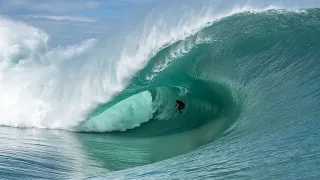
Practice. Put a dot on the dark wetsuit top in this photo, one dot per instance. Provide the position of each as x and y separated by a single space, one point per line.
180 104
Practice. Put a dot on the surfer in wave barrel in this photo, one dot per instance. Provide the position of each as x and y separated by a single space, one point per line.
180 105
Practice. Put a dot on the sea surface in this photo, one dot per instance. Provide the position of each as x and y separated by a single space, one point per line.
250 79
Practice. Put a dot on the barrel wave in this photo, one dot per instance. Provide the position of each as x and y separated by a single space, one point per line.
249 72
250 82
197 71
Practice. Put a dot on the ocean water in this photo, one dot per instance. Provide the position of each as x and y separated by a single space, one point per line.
250 79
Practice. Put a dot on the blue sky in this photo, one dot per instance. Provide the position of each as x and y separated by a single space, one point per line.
88 10
72 10
70 21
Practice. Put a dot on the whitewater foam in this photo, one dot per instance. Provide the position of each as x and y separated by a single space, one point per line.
47 87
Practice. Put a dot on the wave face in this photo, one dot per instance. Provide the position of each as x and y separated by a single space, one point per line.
203 70
249 79
255 75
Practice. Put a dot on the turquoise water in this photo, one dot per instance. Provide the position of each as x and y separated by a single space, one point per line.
252 92
251 85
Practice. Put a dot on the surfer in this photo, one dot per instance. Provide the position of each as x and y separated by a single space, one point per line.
180 105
